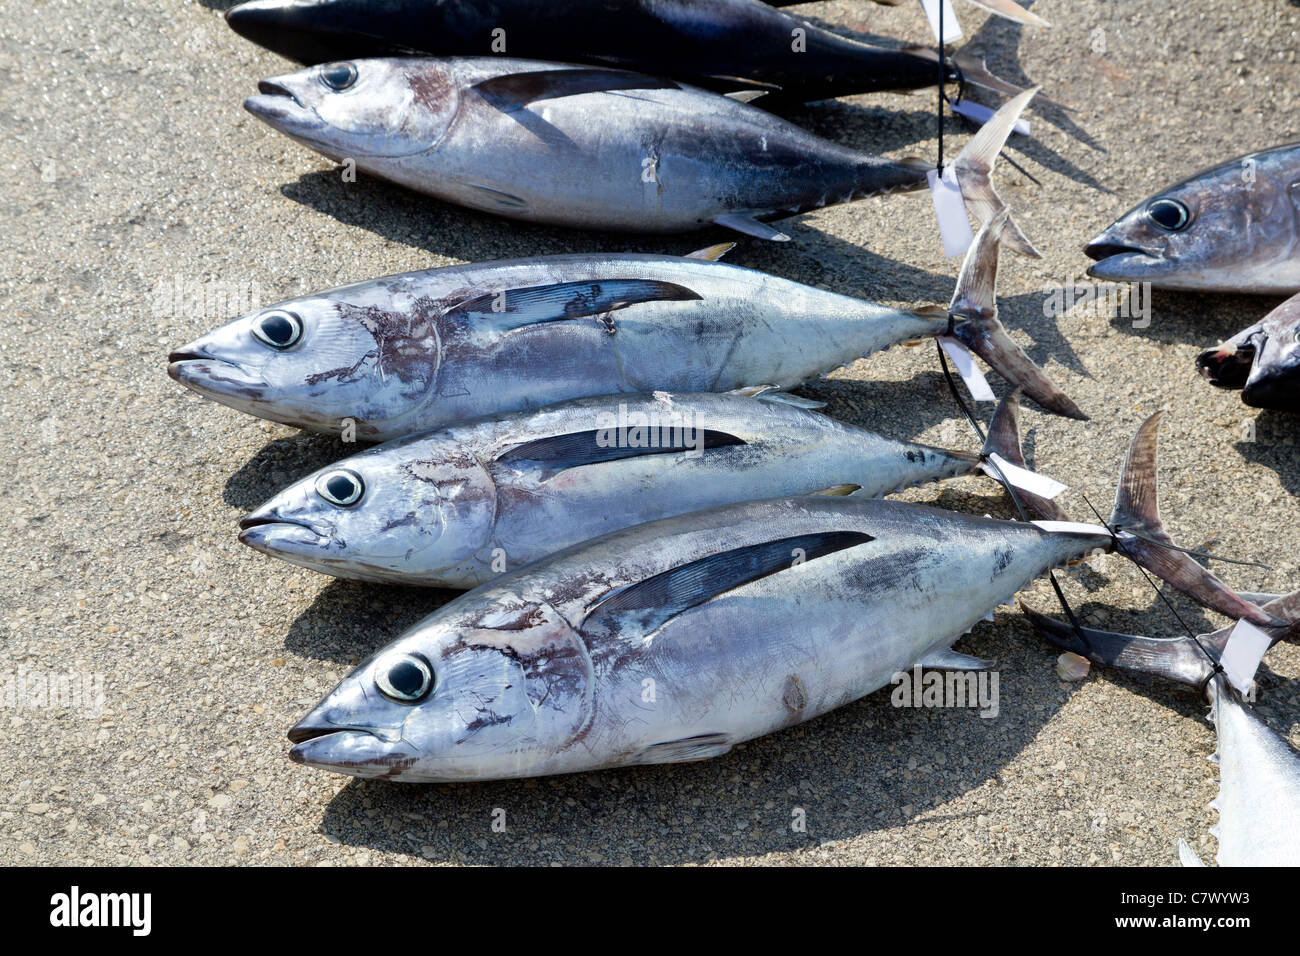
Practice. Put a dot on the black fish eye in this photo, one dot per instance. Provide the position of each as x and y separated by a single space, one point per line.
341 487
404 677
1169 214
338 76
278 329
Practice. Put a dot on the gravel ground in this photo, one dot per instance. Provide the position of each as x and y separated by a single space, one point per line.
133 167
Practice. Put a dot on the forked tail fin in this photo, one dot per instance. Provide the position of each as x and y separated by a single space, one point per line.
975 312
974 167
1143 539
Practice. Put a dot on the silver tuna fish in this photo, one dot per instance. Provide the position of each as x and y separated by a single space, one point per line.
590 147
412 352
1232 228
1259 774
457 507
677 639
1263 361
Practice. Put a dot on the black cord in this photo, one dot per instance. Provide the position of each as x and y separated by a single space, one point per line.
943 79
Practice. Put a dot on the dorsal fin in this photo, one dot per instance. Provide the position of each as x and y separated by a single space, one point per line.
556 453
648 604
512 308
516 91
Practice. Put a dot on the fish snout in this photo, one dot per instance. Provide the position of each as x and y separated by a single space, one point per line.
280 529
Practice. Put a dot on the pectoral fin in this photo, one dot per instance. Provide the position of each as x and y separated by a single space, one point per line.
516 91
751 227
557 453
513 308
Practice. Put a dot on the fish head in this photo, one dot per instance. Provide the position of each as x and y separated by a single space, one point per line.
1211 232
324 363
1263 360
499 690
319 31
382 108
410 507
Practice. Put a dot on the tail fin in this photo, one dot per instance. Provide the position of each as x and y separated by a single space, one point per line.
1137 511
974 305
1004 440
1011 11
1172 658
974 166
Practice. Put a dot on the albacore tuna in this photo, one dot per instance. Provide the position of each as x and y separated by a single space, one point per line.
677 639
407 353
459 506
590 147
1232 228
722 44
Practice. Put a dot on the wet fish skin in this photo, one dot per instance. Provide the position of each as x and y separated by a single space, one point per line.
534 678
1242 232
1263 360
589 147
456 507
723 44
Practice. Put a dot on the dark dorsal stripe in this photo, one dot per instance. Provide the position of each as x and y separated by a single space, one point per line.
651 602
575 449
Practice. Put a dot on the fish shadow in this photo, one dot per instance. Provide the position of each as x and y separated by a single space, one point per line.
280 463
350 620
1196 317
864 767
1274 445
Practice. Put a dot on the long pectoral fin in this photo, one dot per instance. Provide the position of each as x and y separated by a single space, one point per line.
557 453
516 91
651 602
751 227
513 308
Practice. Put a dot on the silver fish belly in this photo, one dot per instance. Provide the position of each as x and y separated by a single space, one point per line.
676 639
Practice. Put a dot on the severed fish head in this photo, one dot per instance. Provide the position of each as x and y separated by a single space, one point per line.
1231 228
1263 360
332 363
410 507
384 108
488 690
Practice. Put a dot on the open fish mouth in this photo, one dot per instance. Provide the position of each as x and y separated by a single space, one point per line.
275 535
358 751
280 108
1117 261
1227 367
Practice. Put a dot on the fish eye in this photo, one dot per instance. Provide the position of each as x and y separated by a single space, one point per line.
278 329
407 678
1169 214
341 487
338 76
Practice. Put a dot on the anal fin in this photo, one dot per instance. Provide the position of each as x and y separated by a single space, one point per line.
702 747
947 659
750 226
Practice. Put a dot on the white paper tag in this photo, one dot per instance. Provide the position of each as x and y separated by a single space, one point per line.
1023 478
982 114
951 28
950 209
1072 527
1240 660
975 381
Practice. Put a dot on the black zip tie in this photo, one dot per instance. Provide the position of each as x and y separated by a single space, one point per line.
943 79
1010 489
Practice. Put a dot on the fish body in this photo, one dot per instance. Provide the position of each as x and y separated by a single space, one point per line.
586 147
721 44
677 639
1263 360
458 506
403 354
1232 228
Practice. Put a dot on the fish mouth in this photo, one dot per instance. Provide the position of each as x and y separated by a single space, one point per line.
277 536
213 377
1114 260
279 107
1227 366
358 751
